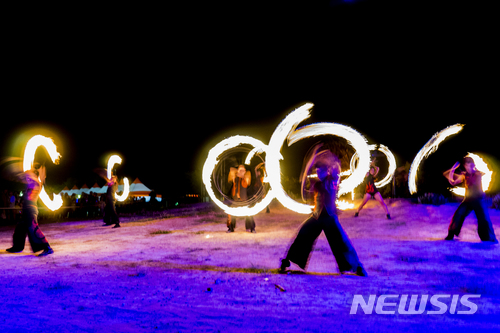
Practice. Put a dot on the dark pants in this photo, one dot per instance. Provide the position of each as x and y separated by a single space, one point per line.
110 215
484 226
29 226
249 222
344 252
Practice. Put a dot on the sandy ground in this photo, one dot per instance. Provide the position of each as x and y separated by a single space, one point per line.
194 277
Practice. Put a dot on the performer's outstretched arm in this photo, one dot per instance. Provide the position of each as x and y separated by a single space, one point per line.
103 173
450 175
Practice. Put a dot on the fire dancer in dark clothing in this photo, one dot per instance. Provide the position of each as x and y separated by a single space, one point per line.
473 201
34 179
110 215
324 218
241 180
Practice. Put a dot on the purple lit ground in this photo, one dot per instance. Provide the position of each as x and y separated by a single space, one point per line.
130 280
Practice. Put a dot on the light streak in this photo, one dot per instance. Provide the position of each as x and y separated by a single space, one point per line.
273 157
391 169
430 147
29 157
211 162
480 166
343 205
354 138
251 154
286 130
115 159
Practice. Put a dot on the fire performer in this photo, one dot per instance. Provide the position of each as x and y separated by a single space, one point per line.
241 180
371 190
34 179
324 218
473 201
110 215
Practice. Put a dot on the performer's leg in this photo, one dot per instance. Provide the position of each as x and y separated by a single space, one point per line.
303 244
250 223
344 252
458 219
19 237
231 223
381 201
107 215
365 200
484 225
114 217
35 235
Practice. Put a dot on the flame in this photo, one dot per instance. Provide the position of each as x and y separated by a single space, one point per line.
126 190
390 158
344 205
213 159
115 159
430 147
273 157
29 157
480 166
286 131
251 154
354 138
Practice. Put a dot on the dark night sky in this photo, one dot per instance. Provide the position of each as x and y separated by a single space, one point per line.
161 86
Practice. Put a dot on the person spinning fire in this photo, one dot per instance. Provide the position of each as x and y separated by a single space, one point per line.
473 201
240 178
324 218
33 179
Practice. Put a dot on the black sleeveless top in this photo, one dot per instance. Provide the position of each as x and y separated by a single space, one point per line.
370 185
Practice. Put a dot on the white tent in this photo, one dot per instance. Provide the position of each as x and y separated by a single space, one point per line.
85 189
138 189
64 191
95 188
74 190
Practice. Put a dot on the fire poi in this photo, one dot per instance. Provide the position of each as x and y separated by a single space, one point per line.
286 130
29 157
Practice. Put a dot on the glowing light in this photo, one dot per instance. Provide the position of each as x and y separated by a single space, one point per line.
343 205
390 158
29 157
211 162
354 138
480 166
251 154
285 131
273 157
115 159
430 147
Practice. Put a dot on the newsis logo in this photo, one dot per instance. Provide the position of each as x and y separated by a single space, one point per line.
388 304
